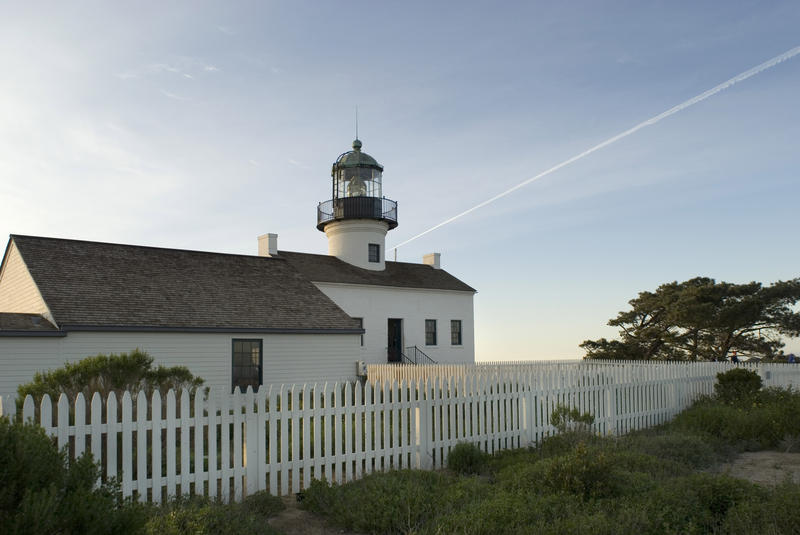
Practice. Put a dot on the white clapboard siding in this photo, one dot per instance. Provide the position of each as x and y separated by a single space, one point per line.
282 437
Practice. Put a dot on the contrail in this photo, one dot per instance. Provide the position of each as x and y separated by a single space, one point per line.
653 120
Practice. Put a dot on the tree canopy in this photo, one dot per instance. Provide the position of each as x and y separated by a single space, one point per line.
132 371
701 319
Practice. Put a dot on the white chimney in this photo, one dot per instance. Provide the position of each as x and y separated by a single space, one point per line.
268 245
433 259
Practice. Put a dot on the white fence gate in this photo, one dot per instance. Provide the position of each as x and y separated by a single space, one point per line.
280 438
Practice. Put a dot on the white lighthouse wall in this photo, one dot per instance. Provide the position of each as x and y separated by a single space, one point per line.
376 304
349 241
287 358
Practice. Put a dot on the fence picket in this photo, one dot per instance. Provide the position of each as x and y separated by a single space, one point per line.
171 449
185 443
141 446
112 428
199 443
155 446
127 442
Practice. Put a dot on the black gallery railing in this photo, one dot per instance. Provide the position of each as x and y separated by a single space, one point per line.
357 208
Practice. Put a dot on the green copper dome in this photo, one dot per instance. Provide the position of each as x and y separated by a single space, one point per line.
356 158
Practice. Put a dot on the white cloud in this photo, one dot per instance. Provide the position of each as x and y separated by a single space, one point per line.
301 165
173 95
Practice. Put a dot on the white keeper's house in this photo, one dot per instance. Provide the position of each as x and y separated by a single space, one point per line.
238 320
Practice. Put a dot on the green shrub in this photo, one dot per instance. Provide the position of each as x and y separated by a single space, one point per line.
392 502
588 473
687 449
766 421
508 512
565 442
202 516
697 503
466 458
776 513
132 371
565 419
40 492
737 385
263 504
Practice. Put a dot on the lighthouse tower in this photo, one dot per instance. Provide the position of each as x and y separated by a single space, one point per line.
358 216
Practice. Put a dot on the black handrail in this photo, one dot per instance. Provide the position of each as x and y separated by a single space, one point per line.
382 209
420 357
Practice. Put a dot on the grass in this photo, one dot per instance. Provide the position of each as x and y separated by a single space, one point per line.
654 481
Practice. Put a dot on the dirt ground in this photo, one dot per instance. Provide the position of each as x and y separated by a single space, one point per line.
296 521
762 467
765 467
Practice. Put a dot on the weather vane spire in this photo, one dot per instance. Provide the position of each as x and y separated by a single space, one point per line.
356 121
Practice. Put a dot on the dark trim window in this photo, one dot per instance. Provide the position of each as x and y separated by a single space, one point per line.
361 324
430 332
247 364
455 332
374 252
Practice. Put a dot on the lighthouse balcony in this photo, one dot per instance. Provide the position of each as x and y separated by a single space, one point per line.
381 209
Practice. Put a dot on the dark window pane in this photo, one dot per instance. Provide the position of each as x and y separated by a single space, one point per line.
455 332
374 252
430 332
246 364
360 324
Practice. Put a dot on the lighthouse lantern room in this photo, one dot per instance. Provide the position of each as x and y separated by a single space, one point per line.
358 216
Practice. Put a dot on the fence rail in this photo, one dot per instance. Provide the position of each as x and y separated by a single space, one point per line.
280 438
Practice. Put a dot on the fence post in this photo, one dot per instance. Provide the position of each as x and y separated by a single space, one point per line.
611 408
424 425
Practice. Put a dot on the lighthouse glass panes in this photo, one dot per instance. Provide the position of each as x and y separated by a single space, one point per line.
357 182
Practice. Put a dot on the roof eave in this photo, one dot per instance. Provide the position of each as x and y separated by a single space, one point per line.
221 330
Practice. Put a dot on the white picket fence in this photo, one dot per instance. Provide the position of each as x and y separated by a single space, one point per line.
280 438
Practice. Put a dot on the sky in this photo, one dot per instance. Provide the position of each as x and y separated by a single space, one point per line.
201 125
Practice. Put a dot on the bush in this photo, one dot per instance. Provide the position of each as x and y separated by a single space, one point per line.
263 504
466 458
777 513
565 419
687 449
697 503
132 371
588 473
766 421
392 502
202 516
41 493
737 385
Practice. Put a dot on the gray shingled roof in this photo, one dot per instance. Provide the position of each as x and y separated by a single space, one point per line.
15 322
323 268
91 284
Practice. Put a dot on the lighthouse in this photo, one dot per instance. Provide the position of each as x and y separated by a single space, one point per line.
358 216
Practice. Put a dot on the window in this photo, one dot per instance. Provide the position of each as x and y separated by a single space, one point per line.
247 364
455 332
374 252
361 324
430 332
